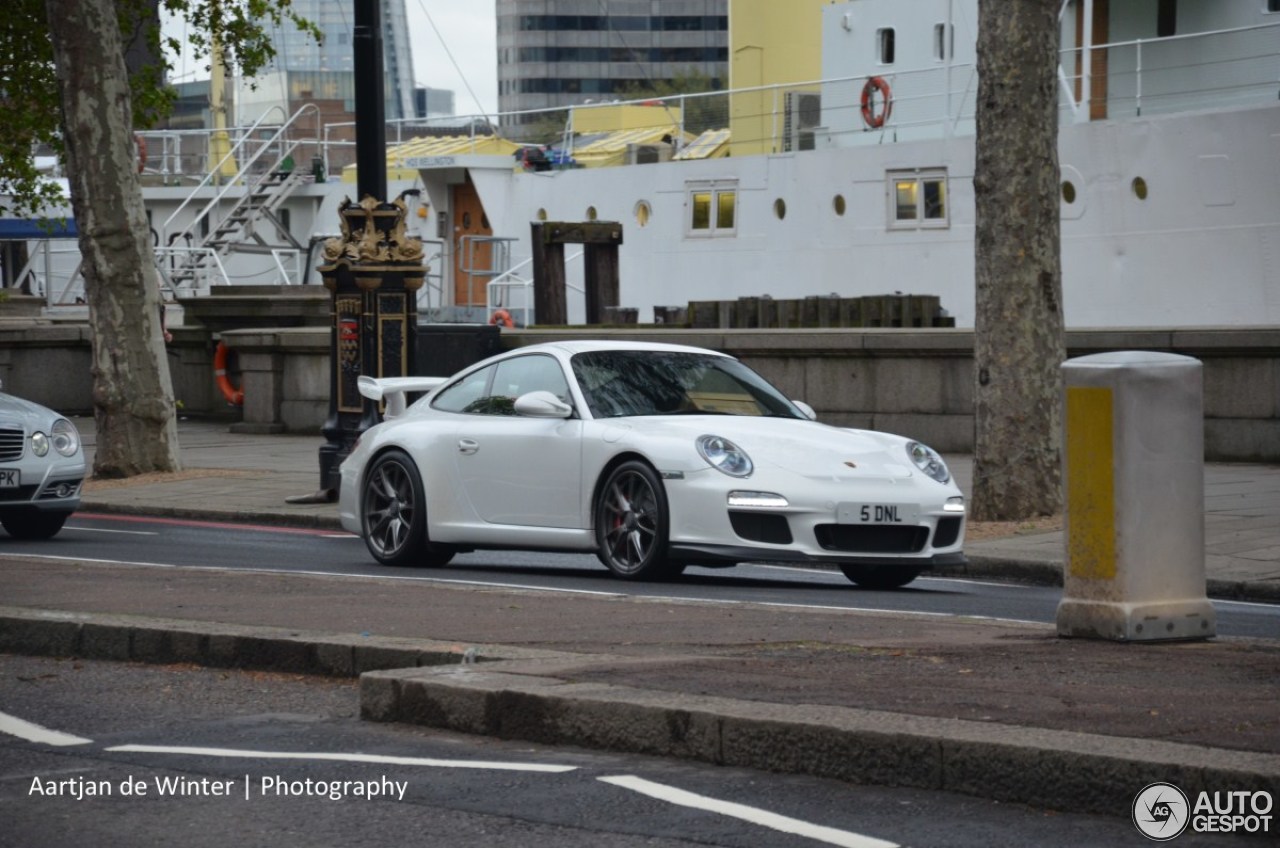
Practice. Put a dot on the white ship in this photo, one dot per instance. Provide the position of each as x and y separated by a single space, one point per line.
1169 151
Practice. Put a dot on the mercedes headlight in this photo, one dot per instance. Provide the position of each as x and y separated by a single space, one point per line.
724 455
66 438
927 460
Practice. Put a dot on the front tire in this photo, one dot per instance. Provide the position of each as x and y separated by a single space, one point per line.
393 514
34 525
880 576
631 522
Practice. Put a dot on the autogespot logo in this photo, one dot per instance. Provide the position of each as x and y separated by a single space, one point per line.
1161 812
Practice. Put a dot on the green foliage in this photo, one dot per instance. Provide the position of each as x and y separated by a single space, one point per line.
700 113
30 114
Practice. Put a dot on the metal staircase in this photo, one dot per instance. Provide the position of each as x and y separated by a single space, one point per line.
267 177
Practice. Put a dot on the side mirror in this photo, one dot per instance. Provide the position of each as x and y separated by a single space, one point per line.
542 404
806 409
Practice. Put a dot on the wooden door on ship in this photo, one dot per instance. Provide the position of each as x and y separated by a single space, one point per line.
472 254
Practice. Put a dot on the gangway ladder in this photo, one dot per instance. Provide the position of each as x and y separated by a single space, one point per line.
266 192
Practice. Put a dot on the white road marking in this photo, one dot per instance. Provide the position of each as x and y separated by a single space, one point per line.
345 758
14 726
755 815
81 529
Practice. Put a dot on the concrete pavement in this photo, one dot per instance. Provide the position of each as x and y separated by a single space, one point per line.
996 709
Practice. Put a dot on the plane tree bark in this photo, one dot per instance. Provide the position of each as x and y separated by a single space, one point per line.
1019 341
133 400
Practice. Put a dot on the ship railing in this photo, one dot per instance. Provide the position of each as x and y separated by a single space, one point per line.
433 281
1202 70
171 259
1176 73
514 293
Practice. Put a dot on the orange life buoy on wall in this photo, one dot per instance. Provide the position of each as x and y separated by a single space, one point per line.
142 152
233 395
502 317
873 118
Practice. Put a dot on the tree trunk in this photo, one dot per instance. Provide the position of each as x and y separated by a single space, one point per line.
1019 343
132 393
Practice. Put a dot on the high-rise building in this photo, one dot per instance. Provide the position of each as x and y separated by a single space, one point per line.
324 74
555 53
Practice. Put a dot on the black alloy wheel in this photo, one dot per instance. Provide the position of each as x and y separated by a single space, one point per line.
631 522
394 514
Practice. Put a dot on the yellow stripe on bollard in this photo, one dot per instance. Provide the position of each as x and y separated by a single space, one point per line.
1091 514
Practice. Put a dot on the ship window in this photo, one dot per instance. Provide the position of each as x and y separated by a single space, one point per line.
884 45
713 208
1273 5
837 203
944 41
643 211
917 199
1166 18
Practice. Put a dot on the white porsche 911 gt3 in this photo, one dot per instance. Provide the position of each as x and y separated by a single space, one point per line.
654 456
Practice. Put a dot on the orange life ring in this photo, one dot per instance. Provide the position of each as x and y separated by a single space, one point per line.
234 396
502 317
875 119
142 152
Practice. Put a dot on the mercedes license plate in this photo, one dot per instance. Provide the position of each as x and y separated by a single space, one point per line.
10 478
874 513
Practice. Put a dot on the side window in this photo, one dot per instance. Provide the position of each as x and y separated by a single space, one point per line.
917 199
525 374
493 390
465 392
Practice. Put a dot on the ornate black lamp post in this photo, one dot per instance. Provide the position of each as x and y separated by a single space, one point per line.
373 270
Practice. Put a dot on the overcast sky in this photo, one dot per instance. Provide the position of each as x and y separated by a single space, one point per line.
470 34
466 28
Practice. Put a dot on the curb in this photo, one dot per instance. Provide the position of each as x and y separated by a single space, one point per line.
529 695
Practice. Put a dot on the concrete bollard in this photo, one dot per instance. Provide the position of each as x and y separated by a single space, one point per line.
1134 475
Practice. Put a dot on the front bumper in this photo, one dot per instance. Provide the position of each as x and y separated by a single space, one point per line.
55 488
815 526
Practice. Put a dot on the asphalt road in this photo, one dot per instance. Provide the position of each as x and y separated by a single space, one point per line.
209 757
173 542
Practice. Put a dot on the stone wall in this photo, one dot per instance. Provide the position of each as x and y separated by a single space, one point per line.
911 381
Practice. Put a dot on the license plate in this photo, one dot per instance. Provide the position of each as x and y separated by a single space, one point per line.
872 513
10 478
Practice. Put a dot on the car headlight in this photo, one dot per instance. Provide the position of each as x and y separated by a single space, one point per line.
927 460
39 443
724 455
66 438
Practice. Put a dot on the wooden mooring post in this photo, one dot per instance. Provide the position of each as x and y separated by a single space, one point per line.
600 263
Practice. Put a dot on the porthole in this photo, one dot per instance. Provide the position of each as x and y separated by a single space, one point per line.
1068 192
1140 188
541 214
838 204
643 211
780 208
591 213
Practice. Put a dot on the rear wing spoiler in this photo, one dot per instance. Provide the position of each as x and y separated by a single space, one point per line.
392 390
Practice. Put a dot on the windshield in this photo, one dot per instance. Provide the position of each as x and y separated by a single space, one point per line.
655 382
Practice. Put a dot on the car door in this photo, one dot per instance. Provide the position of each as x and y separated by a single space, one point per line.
517 470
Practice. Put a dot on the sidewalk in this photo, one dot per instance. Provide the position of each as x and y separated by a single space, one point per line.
1000 710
